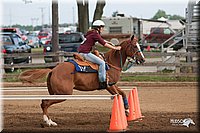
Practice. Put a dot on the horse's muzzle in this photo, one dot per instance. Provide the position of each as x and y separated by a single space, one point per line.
141 61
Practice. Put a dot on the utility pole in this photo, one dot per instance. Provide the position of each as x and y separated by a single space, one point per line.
50 15
32 19
73 16
54 39
27 1
42 18
32 22
10 16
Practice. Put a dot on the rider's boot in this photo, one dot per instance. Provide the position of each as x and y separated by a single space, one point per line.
102 85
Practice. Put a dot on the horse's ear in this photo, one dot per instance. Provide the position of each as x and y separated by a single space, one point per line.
132 37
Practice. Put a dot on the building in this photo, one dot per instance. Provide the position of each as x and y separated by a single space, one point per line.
120 26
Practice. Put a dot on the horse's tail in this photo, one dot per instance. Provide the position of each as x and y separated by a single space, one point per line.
32 75
49 84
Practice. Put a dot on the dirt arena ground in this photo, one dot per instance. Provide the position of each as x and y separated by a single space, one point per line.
160 104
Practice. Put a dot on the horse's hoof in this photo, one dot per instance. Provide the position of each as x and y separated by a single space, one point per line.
127 113
42 125
52 123
48 121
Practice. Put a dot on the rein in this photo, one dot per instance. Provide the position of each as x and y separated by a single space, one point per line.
115 67
121 63
131 62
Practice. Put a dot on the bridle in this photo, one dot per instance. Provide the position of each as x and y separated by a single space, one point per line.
132 56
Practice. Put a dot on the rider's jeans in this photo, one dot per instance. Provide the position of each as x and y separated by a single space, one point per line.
93 58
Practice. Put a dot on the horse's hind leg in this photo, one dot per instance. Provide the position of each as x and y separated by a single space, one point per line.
44 105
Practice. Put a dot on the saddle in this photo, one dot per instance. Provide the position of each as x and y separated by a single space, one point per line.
82 65
82 62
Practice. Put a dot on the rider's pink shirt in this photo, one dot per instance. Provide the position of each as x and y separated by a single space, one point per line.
91 38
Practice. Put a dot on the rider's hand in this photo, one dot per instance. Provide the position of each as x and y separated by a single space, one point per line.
118 47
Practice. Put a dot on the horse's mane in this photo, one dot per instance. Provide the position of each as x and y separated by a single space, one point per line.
115 53
124 43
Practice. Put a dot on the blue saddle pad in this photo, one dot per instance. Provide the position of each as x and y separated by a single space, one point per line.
84 69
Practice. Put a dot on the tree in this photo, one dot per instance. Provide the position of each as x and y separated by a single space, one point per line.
159 14
55 42
83 15
175 17
99 9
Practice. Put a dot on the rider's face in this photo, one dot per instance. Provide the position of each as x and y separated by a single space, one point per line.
101 29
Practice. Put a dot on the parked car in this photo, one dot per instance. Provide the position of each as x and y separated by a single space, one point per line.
44 41
158 35
12 43
12 30
33 41
68 42
44 35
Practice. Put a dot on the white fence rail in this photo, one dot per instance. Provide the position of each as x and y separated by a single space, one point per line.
57 97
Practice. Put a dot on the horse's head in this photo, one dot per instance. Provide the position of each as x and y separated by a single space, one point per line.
133 50
187 122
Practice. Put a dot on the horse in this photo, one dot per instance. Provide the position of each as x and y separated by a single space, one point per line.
62 79
187 122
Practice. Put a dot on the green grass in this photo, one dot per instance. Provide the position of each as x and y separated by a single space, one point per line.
37 50
13 77
159 78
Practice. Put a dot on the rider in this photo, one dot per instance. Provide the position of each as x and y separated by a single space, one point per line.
91 37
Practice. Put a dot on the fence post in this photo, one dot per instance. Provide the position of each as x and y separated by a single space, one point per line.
61 57
177 61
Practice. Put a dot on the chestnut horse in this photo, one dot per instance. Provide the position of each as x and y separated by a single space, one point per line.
62 79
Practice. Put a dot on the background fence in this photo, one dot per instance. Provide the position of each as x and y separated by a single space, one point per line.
180 60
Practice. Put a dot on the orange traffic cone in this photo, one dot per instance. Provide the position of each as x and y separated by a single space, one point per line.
132 115
138 113
148 48
122 113
115 121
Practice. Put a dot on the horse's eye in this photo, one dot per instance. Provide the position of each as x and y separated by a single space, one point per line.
134 46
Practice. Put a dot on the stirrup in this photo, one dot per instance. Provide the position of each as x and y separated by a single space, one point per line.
111 83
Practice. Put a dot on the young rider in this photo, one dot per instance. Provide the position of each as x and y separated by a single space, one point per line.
91 37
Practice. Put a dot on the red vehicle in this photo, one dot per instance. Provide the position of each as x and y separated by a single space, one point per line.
44 37
44 34
158 35
12 30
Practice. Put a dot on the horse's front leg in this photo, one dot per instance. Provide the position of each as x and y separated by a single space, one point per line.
116 90
112 90
126 105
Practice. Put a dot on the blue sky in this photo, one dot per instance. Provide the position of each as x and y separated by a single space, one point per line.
17 12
